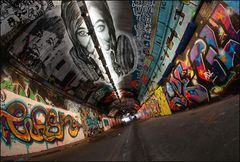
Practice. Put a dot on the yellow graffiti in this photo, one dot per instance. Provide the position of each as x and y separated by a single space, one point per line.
162 101
50 127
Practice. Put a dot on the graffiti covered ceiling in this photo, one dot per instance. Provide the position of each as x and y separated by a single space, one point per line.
54 41
97 52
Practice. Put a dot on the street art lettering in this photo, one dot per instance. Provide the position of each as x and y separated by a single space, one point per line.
213 57
211 63
16 14
180 93
172 21
40 124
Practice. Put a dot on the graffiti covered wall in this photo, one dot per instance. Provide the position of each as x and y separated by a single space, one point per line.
211 61
35 118
162 102
142 28
91 121
29 126
172 20
16 14
15 81
149 109
143 112
155 106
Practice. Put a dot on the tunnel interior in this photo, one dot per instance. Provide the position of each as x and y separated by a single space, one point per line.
72 69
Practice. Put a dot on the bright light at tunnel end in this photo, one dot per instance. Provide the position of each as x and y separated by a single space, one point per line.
126 119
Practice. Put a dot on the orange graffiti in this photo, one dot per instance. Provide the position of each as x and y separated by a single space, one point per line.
42 124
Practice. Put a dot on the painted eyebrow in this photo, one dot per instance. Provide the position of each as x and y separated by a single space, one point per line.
99 21
81 28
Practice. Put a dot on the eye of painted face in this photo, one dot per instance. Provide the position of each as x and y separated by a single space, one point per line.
82 32
100 27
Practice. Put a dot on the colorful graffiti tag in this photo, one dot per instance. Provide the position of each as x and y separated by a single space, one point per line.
211 61
155 106
37 124
29 126
172 21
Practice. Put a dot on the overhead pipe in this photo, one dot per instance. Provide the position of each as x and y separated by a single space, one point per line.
91 32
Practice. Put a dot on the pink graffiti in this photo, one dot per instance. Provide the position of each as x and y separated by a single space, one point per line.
221 15
213 60
184 93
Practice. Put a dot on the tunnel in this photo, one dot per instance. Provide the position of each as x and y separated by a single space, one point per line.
132 80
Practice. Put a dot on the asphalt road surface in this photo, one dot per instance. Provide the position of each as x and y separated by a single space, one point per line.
209 132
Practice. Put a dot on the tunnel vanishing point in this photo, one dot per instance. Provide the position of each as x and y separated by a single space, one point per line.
133 80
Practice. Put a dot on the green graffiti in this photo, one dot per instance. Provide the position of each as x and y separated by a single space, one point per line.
21 91
31 94
7 84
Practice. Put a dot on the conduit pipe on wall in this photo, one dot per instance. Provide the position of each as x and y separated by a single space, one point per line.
88 22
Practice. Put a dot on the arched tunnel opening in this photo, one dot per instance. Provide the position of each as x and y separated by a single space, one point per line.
132 80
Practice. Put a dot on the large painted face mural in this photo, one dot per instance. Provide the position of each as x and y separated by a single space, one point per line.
58 45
